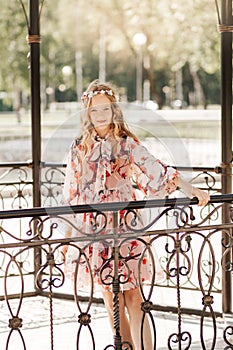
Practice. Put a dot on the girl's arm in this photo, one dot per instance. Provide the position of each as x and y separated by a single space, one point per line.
192 191
157 179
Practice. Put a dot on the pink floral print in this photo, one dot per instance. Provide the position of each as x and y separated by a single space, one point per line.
108 172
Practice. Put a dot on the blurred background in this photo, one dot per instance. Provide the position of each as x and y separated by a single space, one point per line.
165 52
162 56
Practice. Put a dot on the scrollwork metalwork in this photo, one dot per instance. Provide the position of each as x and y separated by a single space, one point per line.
15 322
181 339
53 274
51 185
84 317
15 186
207 299
98 223
227 335
177 249
209 180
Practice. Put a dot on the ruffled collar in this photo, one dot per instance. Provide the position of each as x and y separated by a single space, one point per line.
96 137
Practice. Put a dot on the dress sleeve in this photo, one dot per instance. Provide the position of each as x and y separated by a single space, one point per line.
152 176
72 176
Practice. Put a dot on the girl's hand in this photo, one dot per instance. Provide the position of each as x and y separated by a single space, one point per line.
202 196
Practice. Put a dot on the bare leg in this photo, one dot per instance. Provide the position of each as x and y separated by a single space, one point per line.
124 322
133 300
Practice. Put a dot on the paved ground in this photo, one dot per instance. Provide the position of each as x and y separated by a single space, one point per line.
37 336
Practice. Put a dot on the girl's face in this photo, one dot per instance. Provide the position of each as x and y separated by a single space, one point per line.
100 113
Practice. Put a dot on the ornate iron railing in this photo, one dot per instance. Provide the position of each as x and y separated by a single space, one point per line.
16 193
191 261
175 249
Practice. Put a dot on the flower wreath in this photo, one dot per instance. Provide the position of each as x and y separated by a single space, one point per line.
90 94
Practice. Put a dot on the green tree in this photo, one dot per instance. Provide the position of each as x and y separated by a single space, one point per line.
177 33
182 40
13 50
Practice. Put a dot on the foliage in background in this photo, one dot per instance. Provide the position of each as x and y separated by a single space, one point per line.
181 52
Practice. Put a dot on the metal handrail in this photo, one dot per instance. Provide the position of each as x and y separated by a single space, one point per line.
217 169
110 206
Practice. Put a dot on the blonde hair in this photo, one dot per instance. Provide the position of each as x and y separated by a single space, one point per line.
118 126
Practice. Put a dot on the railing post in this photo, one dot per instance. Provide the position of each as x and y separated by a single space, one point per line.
226 112
116 286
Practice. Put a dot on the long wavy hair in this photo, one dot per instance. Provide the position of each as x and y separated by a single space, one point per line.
118 126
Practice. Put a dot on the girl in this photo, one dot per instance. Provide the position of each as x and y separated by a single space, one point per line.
100 166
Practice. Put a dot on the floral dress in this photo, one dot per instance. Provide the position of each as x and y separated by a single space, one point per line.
108 172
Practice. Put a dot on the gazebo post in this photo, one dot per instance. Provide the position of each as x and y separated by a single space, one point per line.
34 42
226 130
